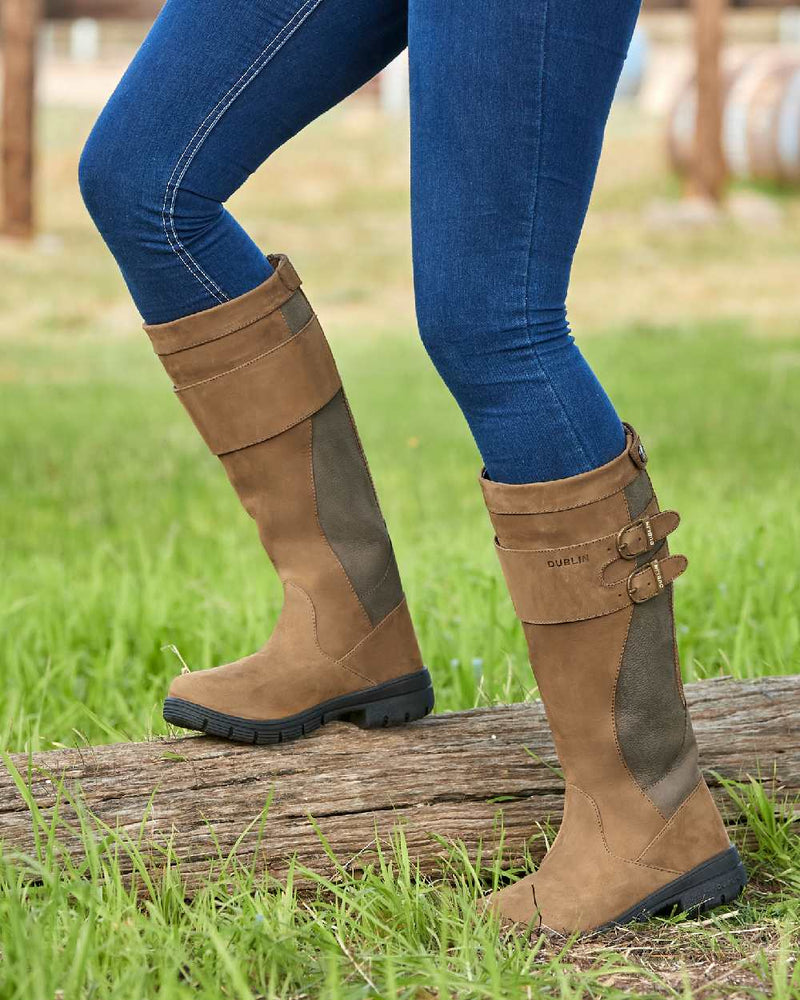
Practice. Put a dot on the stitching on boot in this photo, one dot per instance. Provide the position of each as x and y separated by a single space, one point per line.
678 674
281 430
609 852
252 361
363 453
374 631
334 662
611 550
383 575
556 510
679 758
224 332
580 618
673 818
536 908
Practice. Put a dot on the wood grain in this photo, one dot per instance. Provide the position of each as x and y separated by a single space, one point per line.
449 776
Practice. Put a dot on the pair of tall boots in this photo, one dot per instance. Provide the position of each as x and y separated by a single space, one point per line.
588 569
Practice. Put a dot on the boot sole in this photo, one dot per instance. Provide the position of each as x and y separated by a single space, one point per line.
710 884
393 703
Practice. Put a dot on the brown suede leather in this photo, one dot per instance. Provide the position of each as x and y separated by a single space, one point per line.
258 379
589 572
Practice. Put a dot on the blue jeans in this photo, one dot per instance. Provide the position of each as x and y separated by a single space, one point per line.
509 101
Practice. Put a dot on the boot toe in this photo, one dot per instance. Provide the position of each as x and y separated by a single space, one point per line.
185 686
215 689
516 904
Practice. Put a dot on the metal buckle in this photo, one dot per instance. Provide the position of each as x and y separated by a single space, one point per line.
640 522
656 569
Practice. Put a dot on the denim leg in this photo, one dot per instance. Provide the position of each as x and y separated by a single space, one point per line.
508 107
217 86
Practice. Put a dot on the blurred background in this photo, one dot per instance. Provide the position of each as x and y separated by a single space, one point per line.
122 548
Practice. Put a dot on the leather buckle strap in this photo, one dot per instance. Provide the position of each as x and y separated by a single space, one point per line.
645 533
649 580
551 586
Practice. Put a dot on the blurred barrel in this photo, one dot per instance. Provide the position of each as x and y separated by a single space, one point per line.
761 119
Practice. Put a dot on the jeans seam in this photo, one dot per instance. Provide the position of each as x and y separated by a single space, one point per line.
535 200
202 132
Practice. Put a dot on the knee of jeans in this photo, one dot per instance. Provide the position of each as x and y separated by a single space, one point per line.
187 216
136 206
468 334
118 188
439 332
101 178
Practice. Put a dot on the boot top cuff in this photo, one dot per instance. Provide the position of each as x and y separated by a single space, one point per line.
229 317
567 494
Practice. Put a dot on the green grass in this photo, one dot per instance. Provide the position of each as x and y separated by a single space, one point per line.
121 539
77 929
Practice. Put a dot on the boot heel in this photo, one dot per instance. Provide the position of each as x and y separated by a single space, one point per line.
724 886
394 710
713 883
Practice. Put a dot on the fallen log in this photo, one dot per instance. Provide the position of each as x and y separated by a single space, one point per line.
448 777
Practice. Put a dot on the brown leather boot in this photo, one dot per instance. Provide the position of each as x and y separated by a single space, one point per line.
587 565
258 379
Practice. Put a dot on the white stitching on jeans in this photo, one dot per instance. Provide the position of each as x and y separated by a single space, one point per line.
244 80
201 134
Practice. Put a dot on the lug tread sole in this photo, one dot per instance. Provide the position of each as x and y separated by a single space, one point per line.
392 703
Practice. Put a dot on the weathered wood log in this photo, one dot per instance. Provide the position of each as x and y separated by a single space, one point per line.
450 776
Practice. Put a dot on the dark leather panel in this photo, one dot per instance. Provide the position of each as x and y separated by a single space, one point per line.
348 511
639 493
653 726
650 714
670 791
297 312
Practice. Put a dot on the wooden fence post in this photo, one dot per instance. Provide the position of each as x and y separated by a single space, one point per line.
20 20
708 174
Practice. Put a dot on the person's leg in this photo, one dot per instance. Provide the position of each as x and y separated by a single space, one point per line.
509 105
509 102
217 86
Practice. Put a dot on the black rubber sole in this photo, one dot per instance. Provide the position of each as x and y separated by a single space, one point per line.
393 703
713 883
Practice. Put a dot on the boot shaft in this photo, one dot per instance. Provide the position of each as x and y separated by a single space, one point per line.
590 575
258 379
589 572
